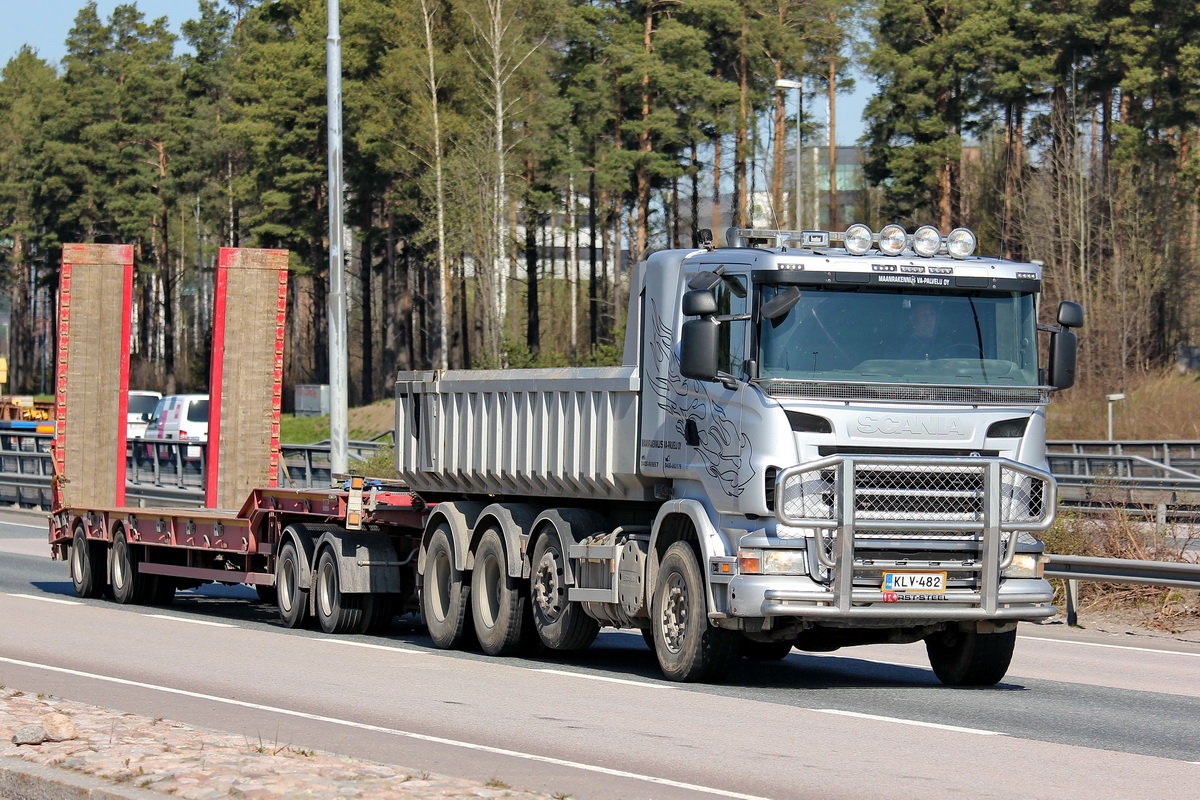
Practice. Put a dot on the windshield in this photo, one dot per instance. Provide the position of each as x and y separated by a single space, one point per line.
840 334
142 403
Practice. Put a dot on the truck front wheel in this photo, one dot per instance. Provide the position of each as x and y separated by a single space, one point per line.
443 594
88 574
969 658
688 648
336 611
561 624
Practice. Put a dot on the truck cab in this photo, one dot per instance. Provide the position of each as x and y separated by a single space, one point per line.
862 417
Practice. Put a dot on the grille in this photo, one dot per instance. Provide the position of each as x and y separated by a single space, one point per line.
917 393
904 490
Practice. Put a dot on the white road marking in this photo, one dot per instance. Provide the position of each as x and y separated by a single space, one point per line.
42 527
604 678
1112 646
370 646
46 599
191 621
900 721
390 731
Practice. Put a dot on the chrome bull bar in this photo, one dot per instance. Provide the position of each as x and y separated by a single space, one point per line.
868 496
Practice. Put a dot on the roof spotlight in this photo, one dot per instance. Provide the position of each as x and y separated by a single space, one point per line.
892 240
927 241
960 243
857 239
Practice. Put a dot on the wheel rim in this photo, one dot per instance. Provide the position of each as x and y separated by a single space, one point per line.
547 586
675 613
77 559
119 569
489 606
286 583
325 588
439 586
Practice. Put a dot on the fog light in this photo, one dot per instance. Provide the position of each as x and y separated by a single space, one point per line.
960 243
927 241
1026 565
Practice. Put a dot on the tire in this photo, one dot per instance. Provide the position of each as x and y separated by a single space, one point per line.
289 597
444 595
378 610
89 573
497 607
970 658
687 646
560 624
336 612
129 586
765 651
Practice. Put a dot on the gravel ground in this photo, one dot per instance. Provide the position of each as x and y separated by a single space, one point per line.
119 755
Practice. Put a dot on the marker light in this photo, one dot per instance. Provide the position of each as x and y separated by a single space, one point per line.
892 240
927 241
857 239
960 243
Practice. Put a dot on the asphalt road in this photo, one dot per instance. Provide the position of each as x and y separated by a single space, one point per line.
1080 712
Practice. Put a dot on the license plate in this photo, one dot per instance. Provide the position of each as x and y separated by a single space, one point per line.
923 582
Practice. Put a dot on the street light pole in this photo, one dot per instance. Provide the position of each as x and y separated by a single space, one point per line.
338 366
787 83
1112 398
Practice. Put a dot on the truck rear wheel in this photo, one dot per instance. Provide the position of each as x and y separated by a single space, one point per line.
128 585
969 658
444 601
560 624
88 568
291 599
337 612
497 607
687 646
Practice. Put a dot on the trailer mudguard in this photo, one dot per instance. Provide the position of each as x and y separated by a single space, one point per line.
460 517
367 561
305 539
708 538
515 521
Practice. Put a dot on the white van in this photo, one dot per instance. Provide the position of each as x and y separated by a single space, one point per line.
179 418
141 406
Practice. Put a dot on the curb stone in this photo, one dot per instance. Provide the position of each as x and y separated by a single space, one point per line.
22 780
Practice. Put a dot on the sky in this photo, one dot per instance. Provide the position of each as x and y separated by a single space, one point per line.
44 24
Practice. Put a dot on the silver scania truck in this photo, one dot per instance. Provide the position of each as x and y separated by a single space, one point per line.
817 439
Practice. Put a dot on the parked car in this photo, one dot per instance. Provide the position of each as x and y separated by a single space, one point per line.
178 418
141 406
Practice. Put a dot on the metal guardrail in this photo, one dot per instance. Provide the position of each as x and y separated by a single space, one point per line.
1073 569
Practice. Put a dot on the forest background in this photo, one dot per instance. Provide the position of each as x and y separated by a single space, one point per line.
507 161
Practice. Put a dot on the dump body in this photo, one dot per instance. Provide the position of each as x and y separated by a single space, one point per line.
538 433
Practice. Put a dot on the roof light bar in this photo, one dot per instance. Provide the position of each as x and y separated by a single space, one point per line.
858 240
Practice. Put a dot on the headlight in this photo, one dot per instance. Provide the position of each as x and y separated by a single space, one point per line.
1026 565
857 239
960 243
772 562
927 241
892 240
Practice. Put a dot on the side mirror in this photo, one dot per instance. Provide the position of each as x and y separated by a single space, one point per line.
698 348
1063 347
1070 315
699 303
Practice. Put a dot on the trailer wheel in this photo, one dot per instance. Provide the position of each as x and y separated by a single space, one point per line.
128 585
161 590
378 610
88 568
687 646
444 603
970 658
291 599
560 624
497 606
337 612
